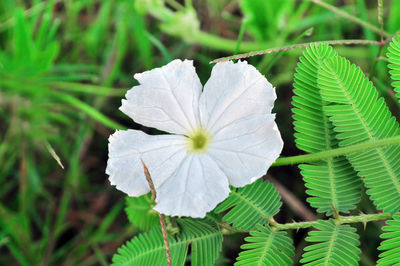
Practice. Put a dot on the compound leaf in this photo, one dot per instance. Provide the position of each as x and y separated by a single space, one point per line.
266 247
391 245
331 182
394 63
251 205
334 245
148 248
360 116
140 212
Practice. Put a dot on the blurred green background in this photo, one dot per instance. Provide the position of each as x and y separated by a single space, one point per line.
66 64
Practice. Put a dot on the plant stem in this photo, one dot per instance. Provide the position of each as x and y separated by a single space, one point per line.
296 46
292 201
382 42
380 20
162 223
363 218
350 17
89 110
88 88
219 43
240 36
337 152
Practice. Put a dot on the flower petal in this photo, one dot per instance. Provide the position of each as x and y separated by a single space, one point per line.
234 91
127 148
166 99
195 188
246 148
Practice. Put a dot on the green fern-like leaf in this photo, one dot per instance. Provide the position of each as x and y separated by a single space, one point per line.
205 239
148 248
359 115
394 60
334 245
266 247
332 182
251 205
140 212
390 246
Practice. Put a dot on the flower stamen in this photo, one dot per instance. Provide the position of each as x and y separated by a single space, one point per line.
198 141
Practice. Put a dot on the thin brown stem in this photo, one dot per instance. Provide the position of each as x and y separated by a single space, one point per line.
350 17
380 20
294 203
382 41
165 237
335 212
162 223
297 46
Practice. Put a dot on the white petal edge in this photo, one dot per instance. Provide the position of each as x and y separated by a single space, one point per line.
234 91
128 148
246 148
196 187
166 98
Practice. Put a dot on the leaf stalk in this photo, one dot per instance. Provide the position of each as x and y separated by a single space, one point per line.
318 156
362 218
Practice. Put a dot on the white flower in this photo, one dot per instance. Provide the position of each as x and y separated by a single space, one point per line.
224 135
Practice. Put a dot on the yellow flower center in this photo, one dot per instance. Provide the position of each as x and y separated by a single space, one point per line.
198 141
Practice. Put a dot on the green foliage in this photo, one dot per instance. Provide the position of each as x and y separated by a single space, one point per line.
265 18
266 247
148 248
205 239
184 24
394 60
141 37
334 245
140 212
251 205
61 62
98 30
391 244
359 115
43 44
31 54
27 74
393 22
332 182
